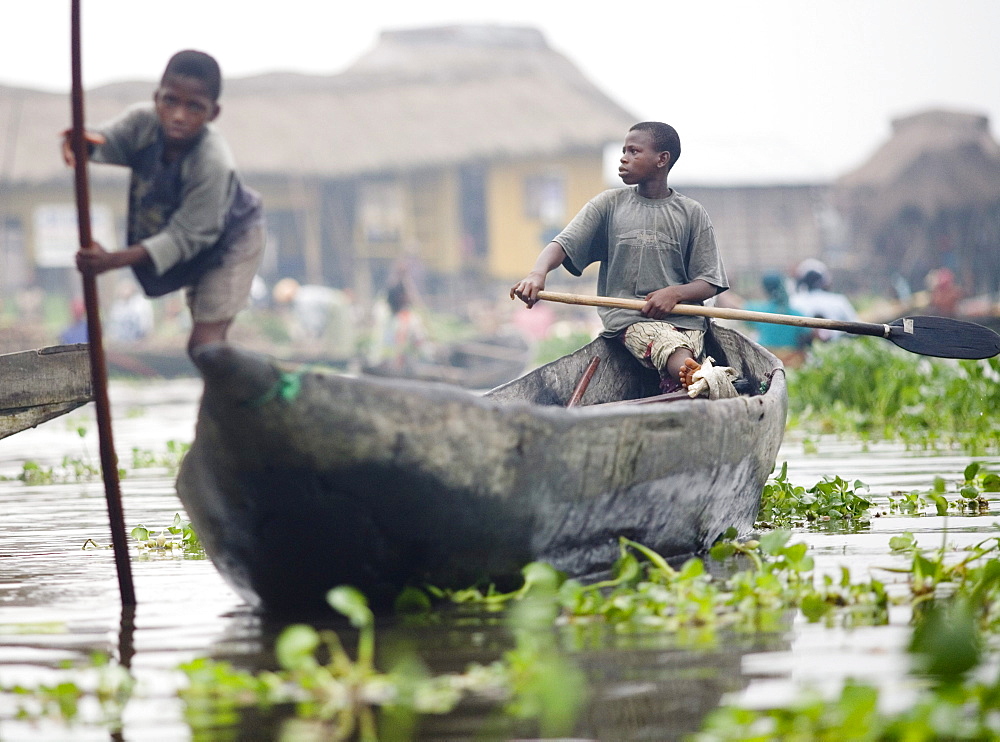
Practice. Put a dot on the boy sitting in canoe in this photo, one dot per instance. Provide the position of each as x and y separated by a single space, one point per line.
191 221
652 243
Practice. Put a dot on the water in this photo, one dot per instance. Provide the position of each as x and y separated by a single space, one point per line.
59 601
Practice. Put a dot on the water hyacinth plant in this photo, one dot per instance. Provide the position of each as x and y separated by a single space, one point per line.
170 460
73 694
770 579
955 699
860 387
178 537
830 499
84 468
340 695
972 495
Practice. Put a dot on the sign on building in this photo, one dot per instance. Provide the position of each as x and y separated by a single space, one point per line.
57 235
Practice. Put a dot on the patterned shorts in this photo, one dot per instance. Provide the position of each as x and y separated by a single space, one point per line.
654 342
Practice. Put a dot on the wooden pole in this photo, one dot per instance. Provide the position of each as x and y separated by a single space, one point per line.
98 366
584 382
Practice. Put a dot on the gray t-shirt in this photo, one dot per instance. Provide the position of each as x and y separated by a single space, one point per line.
180 210
643 245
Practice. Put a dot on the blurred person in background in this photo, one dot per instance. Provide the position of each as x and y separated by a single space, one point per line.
788 342
813 297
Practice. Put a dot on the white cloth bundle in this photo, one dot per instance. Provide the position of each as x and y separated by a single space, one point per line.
715 382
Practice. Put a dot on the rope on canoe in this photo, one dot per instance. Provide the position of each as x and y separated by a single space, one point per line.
286 388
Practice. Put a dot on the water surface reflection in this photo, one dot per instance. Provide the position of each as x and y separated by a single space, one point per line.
59 602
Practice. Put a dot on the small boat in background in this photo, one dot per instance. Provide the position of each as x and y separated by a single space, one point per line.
300 479
38 385
476 363
171 361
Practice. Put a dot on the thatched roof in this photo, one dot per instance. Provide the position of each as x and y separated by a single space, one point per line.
420 98
935 161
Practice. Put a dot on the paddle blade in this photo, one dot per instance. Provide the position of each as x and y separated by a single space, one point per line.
944 337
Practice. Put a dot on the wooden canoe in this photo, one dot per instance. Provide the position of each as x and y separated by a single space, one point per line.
38 385
300 479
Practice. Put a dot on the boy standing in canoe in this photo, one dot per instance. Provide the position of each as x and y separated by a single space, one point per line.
191 221
652 243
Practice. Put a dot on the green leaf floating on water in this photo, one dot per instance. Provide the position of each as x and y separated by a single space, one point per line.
296 646
352 603
946 643
971 471
773 542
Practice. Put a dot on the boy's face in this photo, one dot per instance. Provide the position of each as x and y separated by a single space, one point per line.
184 106
640 161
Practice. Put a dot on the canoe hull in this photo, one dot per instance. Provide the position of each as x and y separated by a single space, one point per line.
301 480
39 385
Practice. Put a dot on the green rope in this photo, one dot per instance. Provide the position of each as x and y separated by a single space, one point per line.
286 388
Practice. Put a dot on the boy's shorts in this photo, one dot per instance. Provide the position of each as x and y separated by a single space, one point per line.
224 292
654 342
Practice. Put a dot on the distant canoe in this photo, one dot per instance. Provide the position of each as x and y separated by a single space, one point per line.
39 385
150 363
478 363
299 479
173 362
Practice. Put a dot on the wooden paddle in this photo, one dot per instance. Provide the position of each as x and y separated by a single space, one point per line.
942 337
98 366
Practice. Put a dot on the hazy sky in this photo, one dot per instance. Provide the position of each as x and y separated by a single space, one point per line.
760 90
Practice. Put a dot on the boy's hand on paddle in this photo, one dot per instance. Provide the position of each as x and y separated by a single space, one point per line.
661 302
527 289
69 156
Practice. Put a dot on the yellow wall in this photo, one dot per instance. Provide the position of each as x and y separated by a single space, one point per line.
515 239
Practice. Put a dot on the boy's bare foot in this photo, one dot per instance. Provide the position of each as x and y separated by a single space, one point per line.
687 370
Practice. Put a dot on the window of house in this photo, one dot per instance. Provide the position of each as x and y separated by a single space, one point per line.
545 198
382 211
57 235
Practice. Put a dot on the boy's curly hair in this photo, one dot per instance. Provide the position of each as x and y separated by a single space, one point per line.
665 138
199 65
